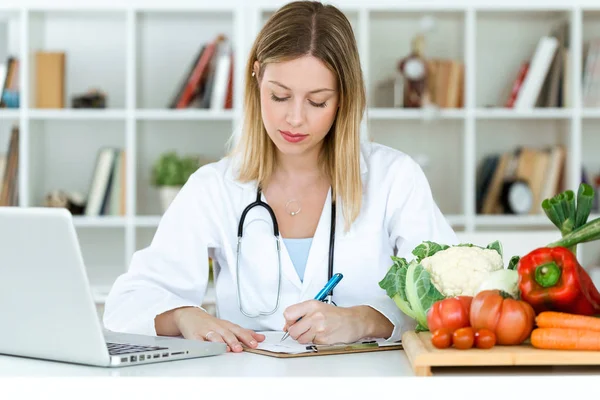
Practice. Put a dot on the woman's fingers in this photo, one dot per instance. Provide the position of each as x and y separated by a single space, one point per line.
299 329
232 340
307 337
245 336
213 336
259 337
211 329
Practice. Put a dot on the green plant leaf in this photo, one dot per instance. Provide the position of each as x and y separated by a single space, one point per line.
514 262
427 249
172 170
394 283
420 291
391 282
496 246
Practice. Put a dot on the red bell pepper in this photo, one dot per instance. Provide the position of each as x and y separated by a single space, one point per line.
551 279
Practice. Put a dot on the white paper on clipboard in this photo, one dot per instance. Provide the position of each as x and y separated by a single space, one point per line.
273 344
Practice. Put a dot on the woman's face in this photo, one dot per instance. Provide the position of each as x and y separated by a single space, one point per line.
299 101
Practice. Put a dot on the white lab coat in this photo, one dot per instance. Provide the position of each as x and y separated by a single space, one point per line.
398 212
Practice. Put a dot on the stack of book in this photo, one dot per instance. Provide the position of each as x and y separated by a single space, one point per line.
543 80
106 195
543 169
209 80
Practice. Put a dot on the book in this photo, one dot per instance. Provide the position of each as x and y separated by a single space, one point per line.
484 179
116 197
184 81
538 69
557 70
517 84
101 181
537 179
221 77
9 180
199 74
554 172
10 89
49 79
591 75
491 198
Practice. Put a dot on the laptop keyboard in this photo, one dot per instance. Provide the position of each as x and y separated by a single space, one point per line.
115 349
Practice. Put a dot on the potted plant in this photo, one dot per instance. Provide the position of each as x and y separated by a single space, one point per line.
170 173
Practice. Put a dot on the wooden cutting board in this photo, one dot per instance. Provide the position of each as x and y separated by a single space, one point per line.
423 355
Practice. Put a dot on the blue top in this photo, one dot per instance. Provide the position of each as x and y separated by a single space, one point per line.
298 250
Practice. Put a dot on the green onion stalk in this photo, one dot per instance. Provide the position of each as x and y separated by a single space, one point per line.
570 214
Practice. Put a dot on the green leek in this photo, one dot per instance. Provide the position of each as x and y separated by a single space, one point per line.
586 233
585 199
570 216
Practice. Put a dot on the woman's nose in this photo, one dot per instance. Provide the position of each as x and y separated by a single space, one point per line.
295 113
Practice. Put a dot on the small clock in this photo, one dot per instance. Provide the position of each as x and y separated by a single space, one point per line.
516 196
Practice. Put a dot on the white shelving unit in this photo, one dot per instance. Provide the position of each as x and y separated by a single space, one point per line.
138 51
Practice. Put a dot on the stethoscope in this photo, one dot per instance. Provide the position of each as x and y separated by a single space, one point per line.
260 203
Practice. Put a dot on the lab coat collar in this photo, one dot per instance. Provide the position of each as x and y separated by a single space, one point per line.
233 167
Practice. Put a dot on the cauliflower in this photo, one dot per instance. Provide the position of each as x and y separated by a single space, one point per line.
439 271
460 270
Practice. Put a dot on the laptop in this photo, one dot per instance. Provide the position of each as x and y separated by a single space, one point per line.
46 303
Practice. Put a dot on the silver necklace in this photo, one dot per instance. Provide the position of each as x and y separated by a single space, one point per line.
293 207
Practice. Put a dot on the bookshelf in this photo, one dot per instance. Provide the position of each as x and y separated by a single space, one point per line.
137 52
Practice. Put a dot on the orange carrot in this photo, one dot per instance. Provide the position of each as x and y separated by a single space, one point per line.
565 339
553 319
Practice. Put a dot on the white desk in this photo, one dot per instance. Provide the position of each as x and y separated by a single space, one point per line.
387 363
379 364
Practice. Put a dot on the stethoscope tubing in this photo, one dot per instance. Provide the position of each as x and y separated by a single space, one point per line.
260 203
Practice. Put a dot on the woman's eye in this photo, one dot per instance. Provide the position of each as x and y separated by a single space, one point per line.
280 99
320 105
275 98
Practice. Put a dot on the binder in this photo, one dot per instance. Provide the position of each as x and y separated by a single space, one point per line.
271 348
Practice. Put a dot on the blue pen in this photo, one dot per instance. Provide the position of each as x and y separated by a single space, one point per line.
322 295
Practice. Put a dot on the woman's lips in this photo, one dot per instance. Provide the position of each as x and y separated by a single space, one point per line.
292 137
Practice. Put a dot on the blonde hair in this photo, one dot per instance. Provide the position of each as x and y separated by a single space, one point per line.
298 29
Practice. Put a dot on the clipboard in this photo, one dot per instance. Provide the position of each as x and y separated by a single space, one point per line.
296 350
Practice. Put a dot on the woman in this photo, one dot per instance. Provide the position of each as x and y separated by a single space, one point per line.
300 149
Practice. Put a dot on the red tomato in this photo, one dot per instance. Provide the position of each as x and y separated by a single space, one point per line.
485 339
463 338
451 313
511 320
442 338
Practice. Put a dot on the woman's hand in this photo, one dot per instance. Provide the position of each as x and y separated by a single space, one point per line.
324 323
194 323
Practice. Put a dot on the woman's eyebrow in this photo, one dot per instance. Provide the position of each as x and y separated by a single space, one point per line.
312 91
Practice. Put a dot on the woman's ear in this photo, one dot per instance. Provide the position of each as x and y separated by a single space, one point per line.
256 69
